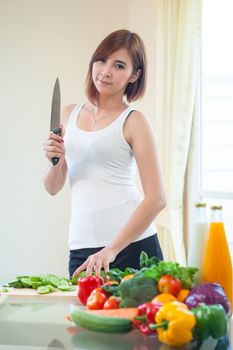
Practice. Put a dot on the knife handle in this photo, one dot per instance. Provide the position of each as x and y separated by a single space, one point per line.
56 131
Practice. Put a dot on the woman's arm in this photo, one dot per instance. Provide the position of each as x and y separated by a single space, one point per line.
139 135
55 176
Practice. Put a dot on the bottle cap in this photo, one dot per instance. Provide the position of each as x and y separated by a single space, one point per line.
216 207
200 204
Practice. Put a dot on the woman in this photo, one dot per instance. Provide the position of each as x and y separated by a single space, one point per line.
111 223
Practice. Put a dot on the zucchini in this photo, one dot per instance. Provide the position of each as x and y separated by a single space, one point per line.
97 323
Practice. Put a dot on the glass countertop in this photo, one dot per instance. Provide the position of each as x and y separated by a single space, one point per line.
32 324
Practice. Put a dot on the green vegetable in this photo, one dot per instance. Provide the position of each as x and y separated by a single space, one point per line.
4 290
137 290
36 279
99 323
50 281
185 274
144 261
211 321
116 274
35 285
112 289
66 288
43 290
51 288
53 280
15 283
26 282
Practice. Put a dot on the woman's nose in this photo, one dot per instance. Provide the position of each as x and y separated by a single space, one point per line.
106 72
105 75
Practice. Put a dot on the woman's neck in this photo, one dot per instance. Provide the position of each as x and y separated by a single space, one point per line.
109 104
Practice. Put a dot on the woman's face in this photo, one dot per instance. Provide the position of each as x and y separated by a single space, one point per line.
112 74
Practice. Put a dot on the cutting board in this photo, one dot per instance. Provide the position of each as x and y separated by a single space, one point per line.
32 293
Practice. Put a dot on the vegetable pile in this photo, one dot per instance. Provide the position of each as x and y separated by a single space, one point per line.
43 284
160 299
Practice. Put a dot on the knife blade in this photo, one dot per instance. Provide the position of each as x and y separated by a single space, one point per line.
55 114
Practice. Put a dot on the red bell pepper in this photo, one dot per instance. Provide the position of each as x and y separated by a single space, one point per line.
146 315
86 286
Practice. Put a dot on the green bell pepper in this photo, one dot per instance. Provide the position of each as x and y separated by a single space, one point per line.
211 321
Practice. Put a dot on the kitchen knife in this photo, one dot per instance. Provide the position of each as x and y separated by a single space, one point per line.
55 114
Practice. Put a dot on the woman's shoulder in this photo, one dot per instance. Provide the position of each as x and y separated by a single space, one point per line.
66 112
137 119
135 126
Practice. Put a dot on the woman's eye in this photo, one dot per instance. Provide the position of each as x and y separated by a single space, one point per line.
119 66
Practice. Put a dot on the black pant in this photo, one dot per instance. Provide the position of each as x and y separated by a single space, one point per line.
128 257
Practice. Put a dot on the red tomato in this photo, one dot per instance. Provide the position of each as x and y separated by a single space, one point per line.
96 299
99 289
169 284
112 303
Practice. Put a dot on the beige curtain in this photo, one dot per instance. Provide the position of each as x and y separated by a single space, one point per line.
177 62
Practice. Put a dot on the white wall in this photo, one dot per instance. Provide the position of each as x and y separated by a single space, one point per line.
40 40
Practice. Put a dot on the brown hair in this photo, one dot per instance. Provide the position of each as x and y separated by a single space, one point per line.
117 40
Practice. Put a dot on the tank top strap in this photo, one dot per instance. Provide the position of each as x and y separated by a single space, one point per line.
125 115
74 113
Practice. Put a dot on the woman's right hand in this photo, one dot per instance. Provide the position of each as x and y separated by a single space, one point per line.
54 147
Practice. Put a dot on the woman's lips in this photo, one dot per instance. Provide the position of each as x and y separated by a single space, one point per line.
103 82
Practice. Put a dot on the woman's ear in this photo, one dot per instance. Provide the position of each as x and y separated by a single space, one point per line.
135 76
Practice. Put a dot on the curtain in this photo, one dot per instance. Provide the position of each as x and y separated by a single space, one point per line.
177 61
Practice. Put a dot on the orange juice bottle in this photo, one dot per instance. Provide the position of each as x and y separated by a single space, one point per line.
217 264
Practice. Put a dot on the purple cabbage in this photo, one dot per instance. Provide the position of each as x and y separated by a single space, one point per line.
209 294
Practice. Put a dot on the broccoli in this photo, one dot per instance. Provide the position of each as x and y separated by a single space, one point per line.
137 290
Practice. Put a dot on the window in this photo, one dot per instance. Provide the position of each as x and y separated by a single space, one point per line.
217 109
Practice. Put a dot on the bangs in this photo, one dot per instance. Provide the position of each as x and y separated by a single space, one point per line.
106 50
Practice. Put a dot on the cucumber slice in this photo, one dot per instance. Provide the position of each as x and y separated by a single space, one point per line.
36 278
66 288
43 290
14 284
26 282
51 288
35 285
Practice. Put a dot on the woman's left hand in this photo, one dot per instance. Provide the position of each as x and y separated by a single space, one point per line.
96 262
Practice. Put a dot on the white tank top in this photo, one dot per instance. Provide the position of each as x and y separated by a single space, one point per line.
101 170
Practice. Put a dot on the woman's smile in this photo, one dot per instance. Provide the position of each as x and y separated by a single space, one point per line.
103 82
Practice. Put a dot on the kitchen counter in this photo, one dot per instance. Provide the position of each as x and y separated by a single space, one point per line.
40 324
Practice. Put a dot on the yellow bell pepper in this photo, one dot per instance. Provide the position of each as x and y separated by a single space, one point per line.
174 324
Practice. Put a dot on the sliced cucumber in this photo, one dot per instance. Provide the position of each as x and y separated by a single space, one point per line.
66 288
35 285
43 290
26 281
